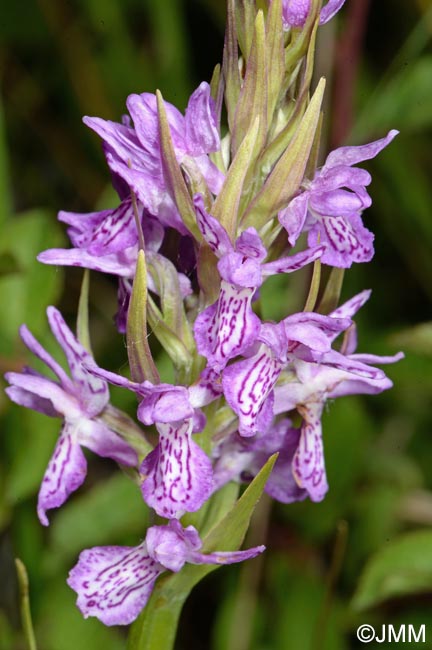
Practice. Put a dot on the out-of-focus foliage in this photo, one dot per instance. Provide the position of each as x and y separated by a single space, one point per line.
365 553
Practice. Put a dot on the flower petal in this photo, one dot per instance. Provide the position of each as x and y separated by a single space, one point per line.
122 140
294 262
214 234
352 306
247 384
65 473
295 13
308 462
313 330
31 401
224 557
294 216
143 110
92 391
339 203
227 328
165 403
114 583
333 178
178 473
121 264
113 233
35 347
63 403
329 10
352 365
353 155
201 133
348 240
95 435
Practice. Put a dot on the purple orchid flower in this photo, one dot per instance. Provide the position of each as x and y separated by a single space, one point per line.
295 12
229 326
336 374
106 241
248 384
79 400
177 474
133 153
240 459
114 583
331 214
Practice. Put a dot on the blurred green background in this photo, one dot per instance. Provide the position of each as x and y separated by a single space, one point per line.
364 555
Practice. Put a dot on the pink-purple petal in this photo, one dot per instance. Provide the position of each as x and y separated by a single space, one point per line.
338 203
247 384
224 557
114 583
177 473
295 12
65 473
227 328
294 216
95 435
31 401
214 234
294 262
341 176
347 240
122 263
351 155
165 403
92 391
35 347
352 306
308 462
329 10
115 231
63 403
121 139
201 133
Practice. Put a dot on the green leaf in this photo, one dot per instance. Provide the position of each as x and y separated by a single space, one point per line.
166 279
288 172
226 206
173 174
332 291
252 102
172 344
229 533
83 332
156 626
230 64
140 358
245 14
401 568
301 39
275 56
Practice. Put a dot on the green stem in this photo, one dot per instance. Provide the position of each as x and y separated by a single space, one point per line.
25 604
156 627
246 600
